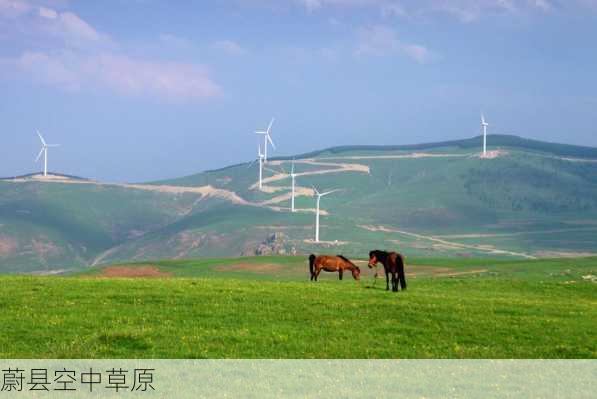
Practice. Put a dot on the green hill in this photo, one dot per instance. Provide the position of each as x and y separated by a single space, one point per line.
527 199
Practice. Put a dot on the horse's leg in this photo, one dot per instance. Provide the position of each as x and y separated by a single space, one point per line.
317 273
395 282
375 276
387 281
340 273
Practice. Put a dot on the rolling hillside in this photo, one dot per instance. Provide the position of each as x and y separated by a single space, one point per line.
527 199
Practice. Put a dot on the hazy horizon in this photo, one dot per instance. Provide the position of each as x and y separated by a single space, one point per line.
143 90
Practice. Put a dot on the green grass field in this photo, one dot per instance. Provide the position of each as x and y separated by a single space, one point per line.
266 308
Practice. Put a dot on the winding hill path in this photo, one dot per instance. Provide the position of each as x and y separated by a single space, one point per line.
329 167
455 245
228 195
413 155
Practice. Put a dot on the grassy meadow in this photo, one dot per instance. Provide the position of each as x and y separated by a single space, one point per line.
266 308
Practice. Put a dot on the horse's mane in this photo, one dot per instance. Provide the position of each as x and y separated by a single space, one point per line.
345 259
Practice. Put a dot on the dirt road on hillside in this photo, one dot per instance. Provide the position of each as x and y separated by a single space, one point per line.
449 244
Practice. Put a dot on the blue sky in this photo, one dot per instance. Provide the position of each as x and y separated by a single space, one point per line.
143 90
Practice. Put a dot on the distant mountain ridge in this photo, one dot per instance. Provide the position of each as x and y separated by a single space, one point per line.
34 174
532 199
499 140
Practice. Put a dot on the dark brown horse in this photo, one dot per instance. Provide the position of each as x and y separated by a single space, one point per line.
393 263
332 264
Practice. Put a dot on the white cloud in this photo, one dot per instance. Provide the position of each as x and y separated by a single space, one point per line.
543 5
72 26
172 80
13 8
47 13
126 75
229 47
419 53
380 41
82 58
463 10
47 69
46 24
313 5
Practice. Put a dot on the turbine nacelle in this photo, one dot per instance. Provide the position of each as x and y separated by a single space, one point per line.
267 138
44 150
319 195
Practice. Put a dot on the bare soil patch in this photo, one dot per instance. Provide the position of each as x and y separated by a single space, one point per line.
145 271
493 154
8 245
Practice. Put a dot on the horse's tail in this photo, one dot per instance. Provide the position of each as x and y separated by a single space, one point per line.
312 264
400 263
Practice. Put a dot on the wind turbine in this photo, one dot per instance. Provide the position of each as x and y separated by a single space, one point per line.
292 176
44 150
319 195
260 160
266 137
484 127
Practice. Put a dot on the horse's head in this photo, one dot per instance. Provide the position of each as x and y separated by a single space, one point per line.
356 273
372 259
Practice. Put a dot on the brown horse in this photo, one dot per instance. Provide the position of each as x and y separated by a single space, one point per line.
332 264
393 263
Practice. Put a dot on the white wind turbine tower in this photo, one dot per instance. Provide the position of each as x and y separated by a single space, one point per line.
44 150
292 176
319 195
484 127
267 137
260 160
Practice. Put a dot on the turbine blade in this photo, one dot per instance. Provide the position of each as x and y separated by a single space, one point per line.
270 141
41 138
39 155
317 192
260 132
329 192
269 128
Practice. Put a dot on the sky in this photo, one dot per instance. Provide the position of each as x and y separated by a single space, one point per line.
141 90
